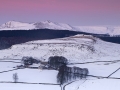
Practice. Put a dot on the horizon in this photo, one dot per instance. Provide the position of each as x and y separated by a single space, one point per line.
73 12
60 22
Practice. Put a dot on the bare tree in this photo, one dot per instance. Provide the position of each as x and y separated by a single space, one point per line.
15 77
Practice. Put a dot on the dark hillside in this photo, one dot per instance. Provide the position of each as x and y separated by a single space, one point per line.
11 37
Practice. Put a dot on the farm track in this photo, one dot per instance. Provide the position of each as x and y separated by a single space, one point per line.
9 59
29 83
9 70
115 61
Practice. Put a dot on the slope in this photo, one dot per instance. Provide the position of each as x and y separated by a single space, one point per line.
77 49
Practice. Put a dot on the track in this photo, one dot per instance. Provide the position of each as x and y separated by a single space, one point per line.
115 61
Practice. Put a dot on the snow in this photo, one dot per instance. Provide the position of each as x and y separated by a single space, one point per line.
77 50
28 87
7 66
99 69
92 29
111 30
14 25
98 84
29 75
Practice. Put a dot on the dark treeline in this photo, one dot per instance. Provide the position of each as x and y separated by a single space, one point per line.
43 33
11 37
67 74
39 33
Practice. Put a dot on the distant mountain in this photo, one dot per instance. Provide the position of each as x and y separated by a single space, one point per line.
110 30
13 25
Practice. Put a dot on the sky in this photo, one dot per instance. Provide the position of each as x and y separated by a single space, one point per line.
73 12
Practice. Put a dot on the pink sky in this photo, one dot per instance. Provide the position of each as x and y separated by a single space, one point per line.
75 12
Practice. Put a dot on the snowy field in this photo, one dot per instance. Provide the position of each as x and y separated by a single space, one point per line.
28 87
49 76
77 49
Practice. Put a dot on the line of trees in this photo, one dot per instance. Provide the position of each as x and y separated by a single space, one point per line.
67 74
60 63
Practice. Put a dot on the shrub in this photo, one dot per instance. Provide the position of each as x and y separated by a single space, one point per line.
29 60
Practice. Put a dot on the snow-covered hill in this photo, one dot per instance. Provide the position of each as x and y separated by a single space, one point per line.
13 25
77 49
52 25
111 30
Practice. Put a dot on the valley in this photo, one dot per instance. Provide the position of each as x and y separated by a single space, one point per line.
98 52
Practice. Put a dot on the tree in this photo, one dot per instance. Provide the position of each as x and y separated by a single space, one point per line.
15 77
61 75
57 61
67 74
64 74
